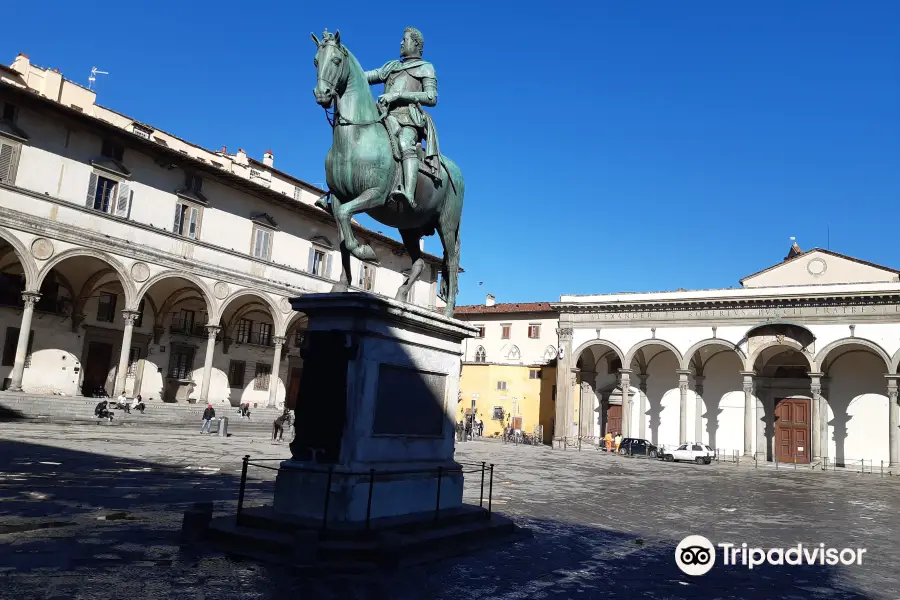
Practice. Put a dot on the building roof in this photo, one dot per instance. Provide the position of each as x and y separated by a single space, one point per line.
796 253
508 308
161 153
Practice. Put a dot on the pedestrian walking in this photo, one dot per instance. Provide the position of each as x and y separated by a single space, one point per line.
208 415
618 441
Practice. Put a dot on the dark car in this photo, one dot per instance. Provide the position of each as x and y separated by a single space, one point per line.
638 447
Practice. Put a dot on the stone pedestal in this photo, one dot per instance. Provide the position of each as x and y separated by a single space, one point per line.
378 395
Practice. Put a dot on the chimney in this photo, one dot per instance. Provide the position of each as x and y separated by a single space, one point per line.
490 300
269 159
241 157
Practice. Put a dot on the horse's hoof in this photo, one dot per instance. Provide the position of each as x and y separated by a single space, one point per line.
364 252
339 288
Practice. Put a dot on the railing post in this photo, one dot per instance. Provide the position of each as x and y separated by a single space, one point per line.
240 506
369 504
795 461
437 507
327 498
481 495
755 461
882 468
490 491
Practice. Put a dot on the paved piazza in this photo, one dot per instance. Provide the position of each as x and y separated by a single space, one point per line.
91 512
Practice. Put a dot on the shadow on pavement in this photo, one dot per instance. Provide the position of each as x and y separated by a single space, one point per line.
9 415
107 527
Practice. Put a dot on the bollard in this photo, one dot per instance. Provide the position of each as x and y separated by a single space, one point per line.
795 461
223 427
196 522
882 468
437 506
755 461
240 506
481 496
490 491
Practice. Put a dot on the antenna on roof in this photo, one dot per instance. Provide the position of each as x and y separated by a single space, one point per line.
93 77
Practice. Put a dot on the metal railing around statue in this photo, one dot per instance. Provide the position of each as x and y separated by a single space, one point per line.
486 471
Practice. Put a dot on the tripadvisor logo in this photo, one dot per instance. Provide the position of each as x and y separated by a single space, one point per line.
696 555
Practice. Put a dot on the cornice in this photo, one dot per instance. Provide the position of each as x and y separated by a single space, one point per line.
785 302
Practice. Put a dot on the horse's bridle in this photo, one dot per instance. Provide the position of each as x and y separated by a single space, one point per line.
335 117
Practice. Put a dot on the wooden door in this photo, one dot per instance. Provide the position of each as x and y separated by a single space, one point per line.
792 427
293 388
96 368
613 419
517 423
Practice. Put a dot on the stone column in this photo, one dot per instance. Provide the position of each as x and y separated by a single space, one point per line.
211 332
815 416
130 316
276 365
642 385
893 421
823 416
626 402
698 407
749 403
682 414
30 298
563 423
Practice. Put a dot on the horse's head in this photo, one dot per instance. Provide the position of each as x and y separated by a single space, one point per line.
333 66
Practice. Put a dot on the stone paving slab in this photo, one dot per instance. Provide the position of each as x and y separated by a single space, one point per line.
605 526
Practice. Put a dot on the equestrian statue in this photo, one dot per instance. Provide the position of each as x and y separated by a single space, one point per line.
377 164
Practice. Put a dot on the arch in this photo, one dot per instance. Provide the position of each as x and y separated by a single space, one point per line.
240 313
779 323
480 354
291 319
787 343
599 342
685 364
514 353
550 353
651 342
124 279
273 310
210 304
29 266
823 354
895 362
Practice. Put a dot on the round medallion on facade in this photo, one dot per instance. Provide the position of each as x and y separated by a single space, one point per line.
42 248
285 305
221 290
816 267
140 272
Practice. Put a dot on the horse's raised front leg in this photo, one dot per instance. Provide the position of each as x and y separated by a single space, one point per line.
369 199
411 239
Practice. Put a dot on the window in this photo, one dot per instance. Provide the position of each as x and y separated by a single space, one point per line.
183 321
682 447
367 277
140 130
262 243
549 353
298 338
187 220
9 112
193 182
497 414
134 354
10 344
9 161
615 365
261 381
263 335
501 385
296 192
245 326
181 364
480 329
236 370
106 307
534 331
319 262
140 318
534 374
697 448
504 331
112 150
480 355
514 353
109 196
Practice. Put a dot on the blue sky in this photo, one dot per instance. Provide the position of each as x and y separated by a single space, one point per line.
611 146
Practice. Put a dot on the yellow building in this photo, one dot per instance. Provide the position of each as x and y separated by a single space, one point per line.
521 396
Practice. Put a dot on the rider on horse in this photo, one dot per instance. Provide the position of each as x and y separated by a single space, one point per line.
410 83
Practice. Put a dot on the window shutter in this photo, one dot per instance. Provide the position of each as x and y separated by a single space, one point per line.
192 230
267 253
7 159
92 191
176 228
123 206
312 260
328 266
362 275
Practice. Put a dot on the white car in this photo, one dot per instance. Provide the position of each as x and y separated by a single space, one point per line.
693 452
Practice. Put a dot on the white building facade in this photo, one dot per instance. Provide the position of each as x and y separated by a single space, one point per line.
510 334
799 364
131 260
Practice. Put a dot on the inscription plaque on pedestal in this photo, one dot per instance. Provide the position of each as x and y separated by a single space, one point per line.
409 402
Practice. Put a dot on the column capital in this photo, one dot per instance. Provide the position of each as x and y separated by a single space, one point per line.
684 373
565 334
212 330
892 377
625 372
749 374
130 316
817 375
30 298
279 340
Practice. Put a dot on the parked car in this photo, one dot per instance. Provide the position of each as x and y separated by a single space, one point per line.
638 447
693 452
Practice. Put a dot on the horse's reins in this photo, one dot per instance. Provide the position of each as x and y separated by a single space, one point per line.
335 117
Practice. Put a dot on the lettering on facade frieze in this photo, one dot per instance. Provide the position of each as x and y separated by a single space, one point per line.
743 313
